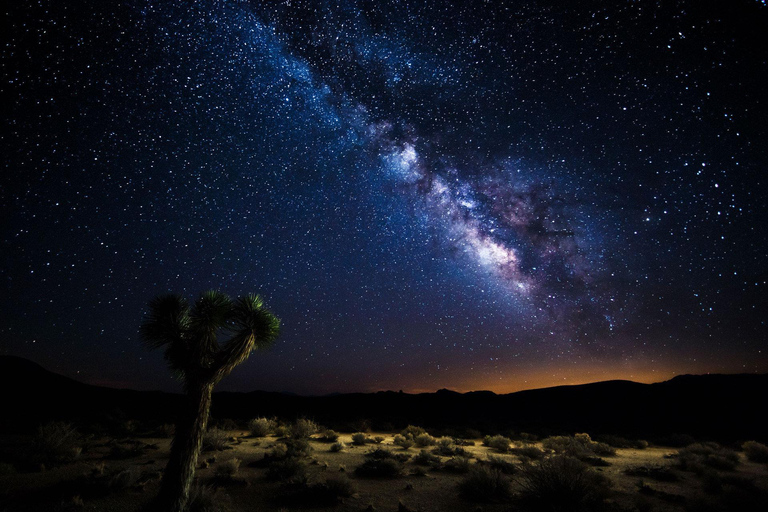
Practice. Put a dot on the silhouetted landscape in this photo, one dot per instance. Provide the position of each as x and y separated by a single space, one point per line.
693 443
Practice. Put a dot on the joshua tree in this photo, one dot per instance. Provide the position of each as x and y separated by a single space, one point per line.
193 353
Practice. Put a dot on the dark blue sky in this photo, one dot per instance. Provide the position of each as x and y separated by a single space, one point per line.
495 195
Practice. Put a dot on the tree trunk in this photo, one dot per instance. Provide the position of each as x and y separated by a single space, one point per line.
185 449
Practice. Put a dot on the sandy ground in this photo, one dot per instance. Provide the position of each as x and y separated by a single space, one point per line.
56 488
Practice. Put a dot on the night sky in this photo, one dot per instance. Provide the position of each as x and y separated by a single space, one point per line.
471 195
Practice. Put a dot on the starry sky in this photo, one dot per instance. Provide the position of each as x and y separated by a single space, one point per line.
472 195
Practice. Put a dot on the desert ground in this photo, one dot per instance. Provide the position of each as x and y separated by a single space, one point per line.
286 470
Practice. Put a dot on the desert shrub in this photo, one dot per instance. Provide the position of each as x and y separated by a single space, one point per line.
359 439
57 442
378 439
458 465
290 468
423 440
528 453
580 446
620 442
329 436
204 498
215 440
282 430
381 454
561 483
698 455
403 441
297 447
379 468
424 458
484 484
261 427
658 473
322 494
336 447
445 446
504 465
303 429
463 442
756 452
277 452
499 443
228 469
412 431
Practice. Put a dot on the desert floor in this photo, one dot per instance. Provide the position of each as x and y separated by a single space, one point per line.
129 478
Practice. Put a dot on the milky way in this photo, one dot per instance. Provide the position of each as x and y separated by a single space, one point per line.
429 194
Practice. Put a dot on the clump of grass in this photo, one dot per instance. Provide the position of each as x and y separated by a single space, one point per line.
756 452
485 484
215 439
562 483
499 443
336 447
403 441
261 427
57 442
424 458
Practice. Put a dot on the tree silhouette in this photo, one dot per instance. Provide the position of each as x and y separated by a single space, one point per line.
194 355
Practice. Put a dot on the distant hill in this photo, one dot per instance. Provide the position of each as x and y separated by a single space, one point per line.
722 407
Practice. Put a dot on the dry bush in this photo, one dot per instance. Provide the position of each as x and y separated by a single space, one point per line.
204 498
322 494
303 429
329 436
698 456
215 440
499 443
403 441
228 469
505 466
424 458
57 442
485 484
458 464
562 483
528 453
336 447
380 468
424 440
261 427
756 452
412 431
359 439
290 469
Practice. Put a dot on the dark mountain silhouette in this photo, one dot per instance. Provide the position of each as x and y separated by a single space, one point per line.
721 407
